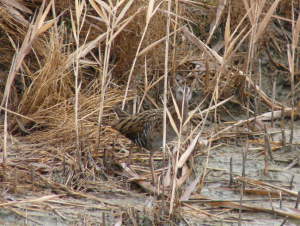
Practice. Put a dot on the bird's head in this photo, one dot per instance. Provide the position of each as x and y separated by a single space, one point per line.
183 92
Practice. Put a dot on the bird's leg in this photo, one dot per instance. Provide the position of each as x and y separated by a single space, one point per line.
152 168
128 159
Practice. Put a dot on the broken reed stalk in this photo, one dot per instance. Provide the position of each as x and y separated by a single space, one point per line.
280 202
291 183
231 173
270 199
134 107
268 144
256 97
4 174
88 144
241 204
259 99
84 161
269 149
64 165
273 99
292 105
267 152
297 201
206 73
105 158
32 176
103 219
236 139
81 138
284 221
244 157
15 180
282 125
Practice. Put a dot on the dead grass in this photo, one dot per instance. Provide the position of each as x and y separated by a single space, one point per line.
60 79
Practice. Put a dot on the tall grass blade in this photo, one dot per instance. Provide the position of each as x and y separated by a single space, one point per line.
123 12
296 33
227 31
149 11
266 20
99 11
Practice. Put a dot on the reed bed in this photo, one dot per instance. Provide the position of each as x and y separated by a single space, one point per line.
66 64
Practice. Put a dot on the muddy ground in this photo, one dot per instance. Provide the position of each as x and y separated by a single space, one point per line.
124 198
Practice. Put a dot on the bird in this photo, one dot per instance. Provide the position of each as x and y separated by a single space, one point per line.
145 129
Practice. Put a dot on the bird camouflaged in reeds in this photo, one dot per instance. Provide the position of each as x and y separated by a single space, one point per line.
146 128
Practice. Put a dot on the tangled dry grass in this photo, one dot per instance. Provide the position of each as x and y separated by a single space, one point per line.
65 66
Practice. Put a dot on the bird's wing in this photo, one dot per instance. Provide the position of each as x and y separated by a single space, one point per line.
139 128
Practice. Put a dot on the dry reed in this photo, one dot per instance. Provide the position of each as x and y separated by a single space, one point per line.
71 64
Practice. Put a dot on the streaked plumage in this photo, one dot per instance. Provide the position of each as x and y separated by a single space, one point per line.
146 129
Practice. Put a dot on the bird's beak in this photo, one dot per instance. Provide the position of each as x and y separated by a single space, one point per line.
186 100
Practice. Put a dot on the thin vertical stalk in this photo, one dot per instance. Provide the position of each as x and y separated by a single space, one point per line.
241 204
291 58
32 176
174 43
231 173
15 180
250 57
282 126
292 90
273 99
165 104
149 15
259 99
104 80
5 138
79 6
200 185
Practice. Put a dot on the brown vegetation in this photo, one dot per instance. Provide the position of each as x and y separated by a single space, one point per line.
64 64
